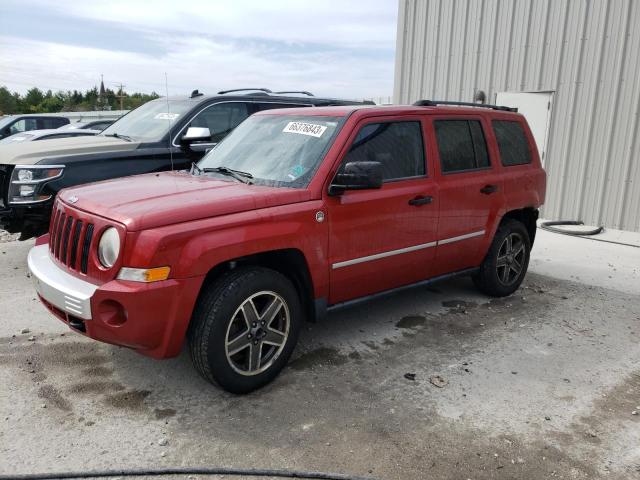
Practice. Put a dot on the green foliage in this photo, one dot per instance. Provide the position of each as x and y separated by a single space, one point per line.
37 101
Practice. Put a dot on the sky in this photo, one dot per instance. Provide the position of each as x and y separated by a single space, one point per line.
341 48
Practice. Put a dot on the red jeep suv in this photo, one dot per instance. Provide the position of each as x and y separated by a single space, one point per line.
296 212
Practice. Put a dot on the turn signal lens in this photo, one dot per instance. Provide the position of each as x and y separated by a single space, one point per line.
146 275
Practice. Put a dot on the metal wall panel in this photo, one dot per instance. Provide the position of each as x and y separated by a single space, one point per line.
586 51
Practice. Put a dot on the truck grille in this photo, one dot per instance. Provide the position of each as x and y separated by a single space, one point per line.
70 240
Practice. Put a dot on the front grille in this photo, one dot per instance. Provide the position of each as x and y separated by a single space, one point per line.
70 240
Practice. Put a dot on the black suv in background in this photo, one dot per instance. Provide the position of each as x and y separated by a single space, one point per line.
12 124
162 134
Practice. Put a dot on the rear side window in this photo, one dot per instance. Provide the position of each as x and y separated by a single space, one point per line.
512 143
397 146
462 145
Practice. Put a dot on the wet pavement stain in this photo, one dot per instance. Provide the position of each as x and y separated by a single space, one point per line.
458 304
129 400
411 321
53 396
162 413
96 387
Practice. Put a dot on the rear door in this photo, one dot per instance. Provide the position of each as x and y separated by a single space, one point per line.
384 238
471 191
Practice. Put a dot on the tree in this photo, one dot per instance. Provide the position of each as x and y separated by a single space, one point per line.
8 102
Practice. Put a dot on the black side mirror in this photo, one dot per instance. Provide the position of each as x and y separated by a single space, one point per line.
357 176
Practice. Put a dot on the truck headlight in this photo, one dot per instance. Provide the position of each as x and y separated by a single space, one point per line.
109 247
27 182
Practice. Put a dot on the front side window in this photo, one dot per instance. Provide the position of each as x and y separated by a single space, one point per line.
23 125
220 119
461 144
398 146
277 150
512 143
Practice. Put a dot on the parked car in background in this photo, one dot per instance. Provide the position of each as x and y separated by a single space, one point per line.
160 135
91 125
296 212
48 134
12 124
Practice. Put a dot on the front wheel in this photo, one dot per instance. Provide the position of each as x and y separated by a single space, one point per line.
245 328
507 260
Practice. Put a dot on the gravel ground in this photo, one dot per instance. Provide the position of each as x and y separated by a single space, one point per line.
542 384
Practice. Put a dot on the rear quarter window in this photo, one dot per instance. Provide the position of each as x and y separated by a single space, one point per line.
512 143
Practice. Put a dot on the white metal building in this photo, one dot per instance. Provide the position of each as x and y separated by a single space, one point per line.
572 67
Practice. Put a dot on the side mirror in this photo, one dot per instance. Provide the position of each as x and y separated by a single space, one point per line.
357 176
196 134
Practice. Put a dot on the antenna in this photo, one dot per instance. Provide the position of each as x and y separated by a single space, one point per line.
166 87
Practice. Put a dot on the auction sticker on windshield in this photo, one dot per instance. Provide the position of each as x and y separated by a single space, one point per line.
305 129
166 116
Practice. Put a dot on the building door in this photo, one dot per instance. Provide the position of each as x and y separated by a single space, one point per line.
536 108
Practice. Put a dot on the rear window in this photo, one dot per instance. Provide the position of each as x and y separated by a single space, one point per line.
462 145
512 143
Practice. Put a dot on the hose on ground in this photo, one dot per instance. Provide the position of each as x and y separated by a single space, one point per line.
551 227
244 472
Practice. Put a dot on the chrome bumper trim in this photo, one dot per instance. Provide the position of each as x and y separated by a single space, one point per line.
58 287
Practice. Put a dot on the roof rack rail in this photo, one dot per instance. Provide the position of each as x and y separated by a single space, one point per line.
265 90
303 92
435 103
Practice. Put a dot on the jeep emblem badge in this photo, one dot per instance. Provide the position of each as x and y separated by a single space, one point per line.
72 199
320 216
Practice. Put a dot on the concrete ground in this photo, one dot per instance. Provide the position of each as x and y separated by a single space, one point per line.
543 384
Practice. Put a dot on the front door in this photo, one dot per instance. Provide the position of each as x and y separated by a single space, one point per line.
384 238
471 192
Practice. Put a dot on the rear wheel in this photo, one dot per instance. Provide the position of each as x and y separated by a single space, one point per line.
245 328
506 263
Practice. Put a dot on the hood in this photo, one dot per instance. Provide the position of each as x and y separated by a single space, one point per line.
29 153
153 200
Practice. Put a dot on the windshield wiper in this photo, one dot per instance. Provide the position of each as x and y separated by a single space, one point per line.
195 169
120 136
244 177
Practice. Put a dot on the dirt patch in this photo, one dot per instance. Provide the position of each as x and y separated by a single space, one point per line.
319 356
96 387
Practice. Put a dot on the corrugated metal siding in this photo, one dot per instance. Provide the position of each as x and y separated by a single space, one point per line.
586 51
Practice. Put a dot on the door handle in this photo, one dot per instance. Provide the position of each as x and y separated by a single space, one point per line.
489 189
421 200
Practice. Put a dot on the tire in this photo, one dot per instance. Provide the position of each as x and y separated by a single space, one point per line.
244 328
492 279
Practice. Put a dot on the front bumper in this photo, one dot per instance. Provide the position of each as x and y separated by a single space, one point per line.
151 318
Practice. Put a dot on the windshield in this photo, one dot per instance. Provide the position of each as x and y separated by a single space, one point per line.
277 150
149 122
4 121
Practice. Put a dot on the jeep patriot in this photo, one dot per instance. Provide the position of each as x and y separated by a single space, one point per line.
296 212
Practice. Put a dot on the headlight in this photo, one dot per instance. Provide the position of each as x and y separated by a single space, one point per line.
27 182
109 247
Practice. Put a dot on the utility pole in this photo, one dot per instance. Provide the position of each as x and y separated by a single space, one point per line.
121 95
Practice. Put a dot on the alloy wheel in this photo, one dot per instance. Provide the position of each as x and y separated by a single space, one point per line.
257 333
511 258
